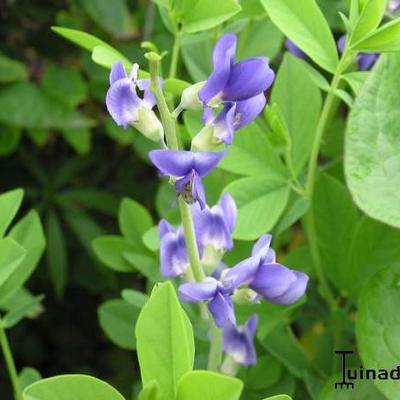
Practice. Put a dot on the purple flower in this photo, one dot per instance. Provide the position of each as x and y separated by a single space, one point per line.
126 107
394 5
215 293
296 51
271 280
187 168
173 256
238 341
231 118
232 82
214 227
365 60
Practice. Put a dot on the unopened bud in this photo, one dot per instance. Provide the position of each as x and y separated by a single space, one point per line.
149 125
245 296
205 140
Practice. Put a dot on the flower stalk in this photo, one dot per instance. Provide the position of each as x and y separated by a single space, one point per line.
9 360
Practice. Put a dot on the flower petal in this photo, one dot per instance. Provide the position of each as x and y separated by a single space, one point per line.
205 162
295 291
296 51
148 96
228 206
238 342
117 72
248 78
211 229
198 192
164 227
194 292
262 245
223 55
242 273
248 110
272 280
175 163
122 102
367 61
173 256
221 308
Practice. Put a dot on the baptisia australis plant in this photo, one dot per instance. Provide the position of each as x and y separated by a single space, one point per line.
232 97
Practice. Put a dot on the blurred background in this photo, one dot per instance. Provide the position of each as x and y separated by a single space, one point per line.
58 143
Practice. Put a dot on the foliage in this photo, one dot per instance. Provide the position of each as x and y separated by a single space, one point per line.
80 283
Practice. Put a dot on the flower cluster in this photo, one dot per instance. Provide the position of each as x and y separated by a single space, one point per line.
232 97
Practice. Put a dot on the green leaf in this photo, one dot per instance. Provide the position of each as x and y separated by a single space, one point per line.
200 385
282 344
370 17
79 139
28 376
279 397
146 265
165 343
372 157
106 57
260 203
175 86
110 250
10 137
303 22
137 299
11 256
56 253
134 220
356 80
378 326
44 111
151 239
363 390
150 392
254 44
68 387
113 16
11 70
28 233
9 206
293 214
82 39
65 85
296 95
197 16
385 39
334 230
17 314
117 319
253 154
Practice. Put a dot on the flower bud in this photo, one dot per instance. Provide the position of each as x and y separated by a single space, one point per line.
245 296
190 97
149 125
205 140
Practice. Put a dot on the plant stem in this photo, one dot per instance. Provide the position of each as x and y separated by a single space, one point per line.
175 56
190 239
165 114
8 357
215 355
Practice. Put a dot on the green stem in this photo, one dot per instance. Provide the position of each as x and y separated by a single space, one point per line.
313 162
326 290
215 355
190 239
175 56
165 114
197 271
8 357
